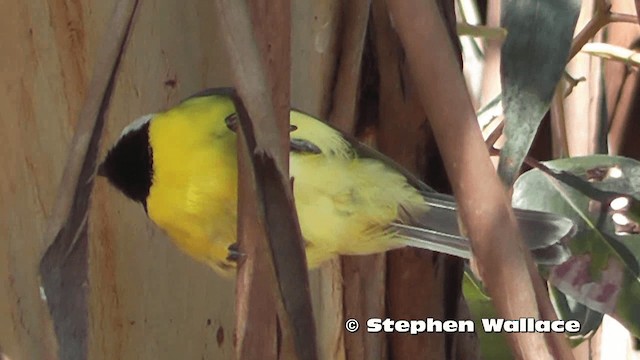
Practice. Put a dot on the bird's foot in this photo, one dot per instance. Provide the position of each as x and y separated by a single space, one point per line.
232 122
234 253
304 146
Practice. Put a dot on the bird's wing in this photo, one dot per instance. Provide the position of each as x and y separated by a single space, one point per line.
437 228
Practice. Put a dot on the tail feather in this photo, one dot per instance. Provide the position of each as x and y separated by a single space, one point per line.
437 229
434 240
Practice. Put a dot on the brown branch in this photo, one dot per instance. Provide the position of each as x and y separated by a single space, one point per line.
560 143
601 18
272 30
64 265
88 122
363 277
623 18
593 26
256 314
482 31
255 295
483 205
571 84
622 113
276 215
491 86
603 5
613 53
355 20
404 136
495 134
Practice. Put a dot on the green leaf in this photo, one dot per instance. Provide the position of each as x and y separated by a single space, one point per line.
603 271
534 56
492 345
570 309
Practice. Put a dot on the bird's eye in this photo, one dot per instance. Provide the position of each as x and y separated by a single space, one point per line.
232 122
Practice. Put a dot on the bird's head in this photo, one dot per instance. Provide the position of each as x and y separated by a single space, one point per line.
129 163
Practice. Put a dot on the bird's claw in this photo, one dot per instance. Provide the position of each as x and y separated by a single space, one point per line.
304 146
232 122
234 253
297 145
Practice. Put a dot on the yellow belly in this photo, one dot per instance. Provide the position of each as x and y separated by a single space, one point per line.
343 207
344 204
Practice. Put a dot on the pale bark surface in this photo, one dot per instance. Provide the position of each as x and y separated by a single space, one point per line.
146 299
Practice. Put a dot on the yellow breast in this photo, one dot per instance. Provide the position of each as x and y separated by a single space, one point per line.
343 203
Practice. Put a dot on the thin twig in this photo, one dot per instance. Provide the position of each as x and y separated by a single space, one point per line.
568 179
589 31
560 142
496 133
623 18
603 5
613 52
572 83
602 18
482 31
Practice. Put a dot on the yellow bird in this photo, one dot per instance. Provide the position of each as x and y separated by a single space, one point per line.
181 165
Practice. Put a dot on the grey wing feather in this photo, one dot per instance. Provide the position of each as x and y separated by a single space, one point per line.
437 229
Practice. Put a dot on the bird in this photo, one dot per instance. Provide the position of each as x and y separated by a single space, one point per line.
181 166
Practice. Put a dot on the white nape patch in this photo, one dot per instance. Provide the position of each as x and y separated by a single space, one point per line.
43 296
136 124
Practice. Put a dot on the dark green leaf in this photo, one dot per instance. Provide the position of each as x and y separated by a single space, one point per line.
534 56
603 271
492 345
570 309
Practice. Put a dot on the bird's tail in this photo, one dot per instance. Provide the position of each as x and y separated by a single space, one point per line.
437 229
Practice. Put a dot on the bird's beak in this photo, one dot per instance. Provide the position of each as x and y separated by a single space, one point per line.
101 170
